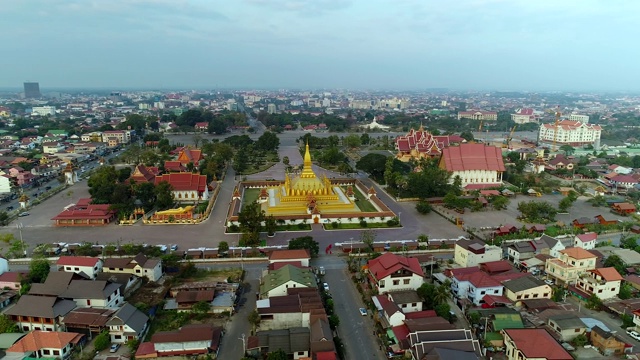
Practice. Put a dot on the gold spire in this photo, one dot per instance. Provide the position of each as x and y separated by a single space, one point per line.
307 170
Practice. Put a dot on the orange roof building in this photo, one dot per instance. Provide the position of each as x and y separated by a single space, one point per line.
83 213
53 344
144 174
533 344
186 186
479 166
301 255
189 155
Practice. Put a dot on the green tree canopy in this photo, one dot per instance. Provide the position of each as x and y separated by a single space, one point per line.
102 184
373 164
616 262
305 242
7 326
277 355
164 195
250 219
39 270
268 142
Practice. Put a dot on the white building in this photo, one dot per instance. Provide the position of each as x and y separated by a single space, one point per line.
581 118
469 253
574 133
43 110
88 266
478 165
271 108
475 286
586 241
391 272
94 293
5 184
128 323
603 282
523 116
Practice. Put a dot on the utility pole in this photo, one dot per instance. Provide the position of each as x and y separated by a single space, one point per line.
244 345
24 249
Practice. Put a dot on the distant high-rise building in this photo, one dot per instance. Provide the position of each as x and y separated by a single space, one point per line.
32 90
271 108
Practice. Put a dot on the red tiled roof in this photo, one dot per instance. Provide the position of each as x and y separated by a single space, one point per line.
420 314
146 348
577 253
82 210
496 266
624 179
13 276
184 181
473 157
480 186
174 166
144 174
77 260
537 343
389 263
608 273
289 254
587 237
401 332
496 299
37 340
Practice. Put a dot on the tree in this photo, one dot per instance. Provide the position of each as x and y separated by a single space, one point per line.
102 341
373 164
334 321
580 340
598 201
164 195
254 318
102 184
197 139
201 307
277 355
567 149
4 218
423 207
368 237
626 292
500 202
443 310
285 160
616 262
145 193
240 163
270 225
7 326
39 270
268 142
467 135
353 141
594 303
223 247
537 211
565 204
250 219
305 242
365 139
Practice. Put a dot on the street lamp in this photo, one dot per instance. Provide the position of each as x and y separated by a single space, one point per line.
244 344
24 249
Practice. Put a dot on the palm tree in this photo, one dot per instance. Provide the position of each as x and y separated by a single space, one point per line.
442 293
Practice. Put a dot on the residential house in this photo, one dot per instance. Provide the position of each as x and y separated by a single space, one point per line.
407 300
6 297
391 272
567 326
185 300
290 256
88 321
607 343
46 344
128 323
139 265
470 253
39 312
12 280
120 136
295 342
474 286
532 344
56 283
586 241
88 266
459 341
520 250
547 245
603 282
293 310
95 293
525 288
619 208
189 340
52 147
186 186
321 339
202 126
479 166
569 265
276 282
623 182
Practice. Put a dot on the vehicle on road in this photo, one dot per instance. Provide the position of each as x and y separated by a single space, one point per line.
634 334
549 282
363 311
174 247
325 286
114 348
26 213
9 208
322 271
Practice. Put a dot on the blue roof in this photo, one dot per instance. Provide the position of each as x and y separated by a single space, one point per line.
591 323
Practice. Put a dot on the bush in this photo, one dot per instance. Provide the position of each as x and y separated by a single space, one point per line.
234 228
102 341
393 222
423 207
363 223
334 225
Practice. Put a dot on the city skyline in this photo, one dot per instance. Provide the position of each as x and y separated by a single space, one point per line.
402 45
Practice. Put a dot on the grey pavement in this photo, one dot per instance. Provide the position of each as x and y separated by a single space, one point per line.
355 330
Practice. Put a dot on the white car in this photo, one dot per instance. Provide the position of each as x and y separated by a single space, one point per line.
549 282
325 286
363 311
634 334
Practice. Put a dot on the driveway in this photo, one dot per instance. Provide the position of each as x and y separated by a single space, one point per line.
355 330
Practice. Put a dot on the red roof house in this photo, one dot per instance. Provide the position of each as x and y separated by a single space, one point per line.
83 213
186 186
478 165
391 272
533 344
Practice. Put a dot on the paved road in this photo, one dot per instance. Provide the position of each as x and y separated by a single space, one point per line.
355 330
231 346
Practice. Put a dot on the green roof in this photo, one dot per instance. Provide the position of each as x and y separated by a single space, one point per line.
285 274
8 339
507 321
57 132
3 131
493 336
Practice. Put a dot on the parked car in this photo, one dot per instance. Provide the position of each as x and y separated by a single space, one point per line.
26 213
363 311
634 334
174 247
325 286
9 208
549 282
114 348
322 271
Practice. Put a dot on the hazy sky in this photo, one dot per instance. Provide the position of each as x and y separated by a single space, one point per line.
396 44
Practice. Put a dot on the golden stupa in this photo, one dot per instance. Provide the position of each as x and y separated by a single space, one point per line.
306 193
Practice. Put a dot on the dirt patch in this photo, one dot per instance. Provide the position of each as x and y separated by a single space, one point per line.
150 293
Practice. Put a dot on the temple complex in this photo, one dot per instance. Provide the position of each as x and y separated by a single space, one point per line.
305 193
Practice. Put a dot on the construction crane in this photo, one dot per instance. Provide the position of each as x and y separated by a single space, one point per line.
507 141
555 129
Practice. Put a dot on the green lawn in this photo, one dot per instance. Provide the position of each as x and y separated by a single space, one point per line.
357 226
363 203
253 170
250 195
